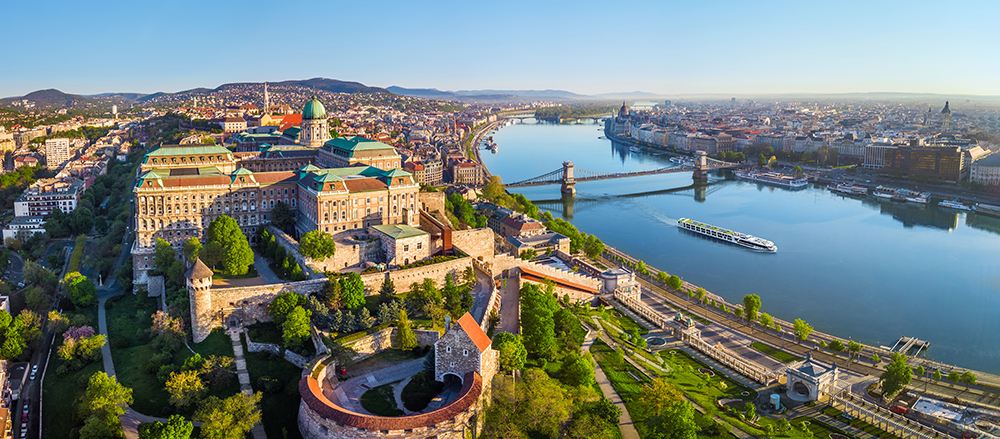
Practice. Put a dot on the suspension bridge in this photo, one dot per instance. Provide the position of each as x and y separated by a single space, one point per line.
568 176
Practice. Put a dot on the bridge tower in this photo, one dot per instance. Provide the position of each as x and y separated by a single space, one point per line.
569 183
700 165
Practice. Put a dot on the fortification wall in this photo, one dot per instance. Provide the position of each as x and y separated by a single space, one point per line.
507 262
403 278
212 307
477 243
432 201
314 426
376 342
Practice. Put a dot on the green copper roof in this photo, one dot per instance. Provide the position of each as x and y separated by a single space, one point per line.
188 150
399 231
245 173
392 173
349 145
309 168
327 177
313 110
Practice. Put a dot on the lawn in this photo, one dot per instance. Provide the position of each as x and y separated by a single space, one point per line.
614 317
280 404
420 391
62 391
250 274
380 401
777 354
128 323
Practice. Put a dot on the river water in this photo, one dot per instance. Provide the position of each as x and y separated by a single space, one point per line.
856 268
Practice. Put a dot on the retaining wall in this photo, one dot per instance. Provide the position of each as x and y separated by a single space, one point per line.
376 342
211 308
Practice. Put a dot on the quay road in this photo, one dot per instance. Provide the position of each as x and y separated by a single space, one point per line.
477 139
654 296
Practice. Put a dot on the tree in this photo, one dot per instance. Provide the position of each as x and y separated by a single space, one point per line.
854 348
230 418
192 248
577 370
751 411
751 305
388 291
494 188
212 254
528 254
668 414
283 304
164 255
353 291
237 255
802 330
537 323
674 282
317 245
896 376
175 428
184 387
937 374
766 320
296 326
81 290
405 337
513 355
920 370
106 399
57 322
281 216
330 295
953 376
968 378
701 294
875 358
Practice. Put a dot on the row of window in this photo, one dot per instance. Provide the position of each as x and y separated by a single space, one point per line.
176 160
245 194
219 207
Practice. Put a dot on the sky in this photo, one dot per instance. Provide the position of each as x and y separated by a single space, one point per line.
664 47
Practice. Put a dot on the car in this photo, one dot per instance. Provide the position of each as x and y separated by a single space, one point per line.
24 418
25 409
20 284
34 370
24 433
24 426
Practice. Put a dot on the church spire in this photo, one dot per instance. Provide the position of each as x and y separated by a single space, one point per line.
267 100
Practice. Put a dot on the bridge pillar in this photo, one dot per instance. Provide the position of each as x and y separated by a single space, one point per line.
700 166
569 182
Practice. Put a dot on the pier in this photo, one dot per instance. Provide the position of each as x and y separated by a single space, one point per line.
905 344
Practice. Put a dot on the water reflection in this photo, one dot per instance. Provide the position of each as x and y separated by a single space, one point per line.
915 214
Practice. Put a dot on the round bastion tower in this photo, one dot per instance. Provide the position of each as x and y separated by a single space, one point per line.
199 286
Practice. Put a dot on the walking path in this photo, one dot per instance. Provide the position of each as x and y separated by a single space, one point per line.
244 377
625 423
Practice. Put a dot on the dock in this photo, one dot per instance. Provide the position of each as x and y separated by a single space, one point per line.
905 344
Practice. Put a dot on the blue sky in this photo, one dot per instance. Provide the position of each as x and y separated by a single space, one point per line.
668 47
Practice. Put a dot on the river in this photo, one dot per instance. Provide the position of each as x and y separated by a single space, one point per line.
855 268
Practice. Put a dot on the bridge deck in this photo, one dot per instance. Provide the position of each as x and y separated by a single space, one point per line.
557 177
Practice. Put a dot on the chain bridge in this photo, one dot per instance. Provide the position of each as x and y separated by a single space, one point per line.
568 176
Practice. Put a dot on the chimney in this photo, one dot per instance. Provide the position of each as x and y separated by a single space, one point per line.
447 323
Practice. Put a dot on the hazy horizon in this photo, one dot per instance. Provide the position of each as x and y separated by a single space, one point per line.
589 48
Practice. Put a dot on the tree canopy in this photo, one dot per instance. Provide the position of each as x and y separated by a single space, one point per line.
237 255
896 376
801 329
317 245
537 322
175 428
230 418
751 305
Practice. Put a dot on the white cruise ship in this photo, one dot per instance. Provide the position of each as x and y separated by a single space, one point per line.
774 178
732 237
848 188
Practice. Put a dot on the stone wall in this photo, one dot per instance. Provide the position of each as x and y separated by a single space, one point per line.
477 243
376 342
212 308
351 253
314 426
432 201
507 262
403 278
292 357
309 265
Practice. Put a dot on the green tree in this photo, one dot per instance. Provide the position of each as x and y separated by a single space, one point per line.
494 188
192 248
405 337
836 345
212 254
593 247
164 255
185 387
854 348
513 355
766 320
953 376
920 370
388 291
968 378
896 376
751 306
937 374
675 282
668 415
537 323
331 294
236 249
283 304
317 245
353 291
105 399
296 327
577 370
81 290
701 294
230 418
528 254
281 216
801 329
875 358
175 428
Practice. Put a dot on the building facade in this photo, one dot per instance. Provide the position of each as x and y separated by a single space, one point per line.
353 151
48 194
57 152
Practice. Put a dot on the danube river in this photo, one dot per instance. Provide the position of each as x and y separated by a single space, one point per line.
854 268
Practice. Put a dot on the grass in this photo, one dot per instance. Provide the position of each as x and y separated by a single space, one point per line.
131 348
62 391
777 354
380 401
614 317
628 387
77 257
265 332
420 391
279 407
250 274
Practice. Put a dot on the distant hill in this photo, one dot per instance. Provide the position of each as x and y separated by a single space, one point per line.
488 95
126 96
51 98
333 85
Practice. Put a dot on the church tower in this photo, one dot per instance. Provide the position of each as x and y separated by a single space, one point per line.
945 118
267 100
315 130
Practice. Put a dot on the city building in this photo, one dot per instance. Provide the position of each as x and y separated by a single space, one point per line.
57 152
48 194
945 118
314 130
465 171
936 161
986 171
540 243
519 225
24 227
403 243
233 124
353 151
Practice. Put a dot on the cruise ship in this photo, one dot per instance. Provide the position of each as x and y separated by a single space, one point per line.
848 188
774 178
732 237
895 194
954 204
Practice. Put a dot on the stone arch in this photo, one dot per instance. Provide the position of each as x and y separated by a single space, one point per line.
800 388
450 378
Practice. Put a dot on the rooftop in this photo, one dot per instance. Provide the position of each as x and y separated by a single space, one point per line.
399 231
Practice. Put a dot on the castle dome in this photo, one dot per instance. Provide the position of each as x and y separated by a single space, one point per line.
946 110
313 110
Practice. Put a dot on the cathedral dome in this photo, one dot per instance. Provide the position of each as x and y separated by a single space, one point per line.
623 111
313 110
946 110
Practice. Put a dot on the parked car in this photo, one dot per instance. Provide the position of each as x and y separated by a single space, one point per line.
34 370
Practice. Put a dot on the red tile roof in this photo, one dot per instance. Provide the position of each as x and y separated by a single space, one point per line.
474 332
312 396
364 184
539 277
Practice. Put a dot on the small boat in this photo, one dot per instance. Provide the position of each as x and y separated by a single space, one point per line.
635 149
954 204
848 188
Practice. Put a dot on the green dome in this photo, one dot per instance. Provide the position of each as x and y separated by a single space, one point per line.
313 110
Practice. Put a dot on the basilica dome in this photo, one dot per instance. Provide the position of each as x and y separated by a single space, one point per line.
313 110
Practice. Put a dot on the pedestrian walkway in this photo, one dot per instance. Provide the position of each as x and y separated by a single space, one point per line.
244 377
625 423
